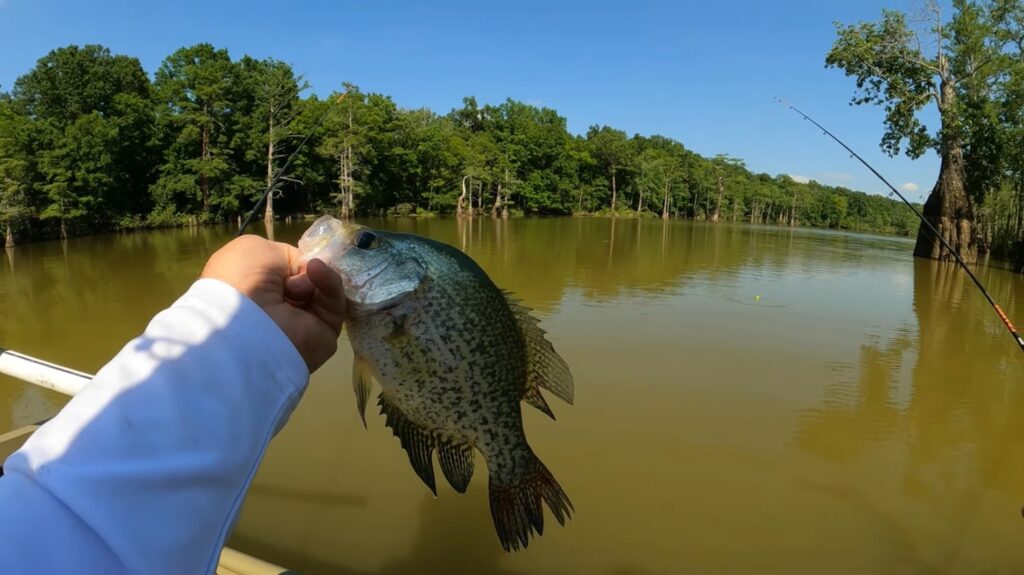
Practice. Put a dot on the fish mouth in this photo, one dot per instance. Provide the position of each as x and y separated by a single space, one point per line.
373 278
327 240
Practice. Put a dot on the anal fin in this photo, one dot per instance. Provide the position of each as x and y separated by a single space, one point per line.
456 464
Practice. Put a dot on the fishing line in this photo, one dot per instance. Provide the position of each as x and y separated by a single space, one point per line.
999 311
280 173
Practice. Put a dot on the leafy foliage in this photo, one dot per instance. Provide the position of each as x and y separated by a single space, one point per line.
88 143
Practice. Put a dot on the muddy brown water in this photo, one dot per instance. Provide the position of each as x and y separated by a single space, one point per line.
748 399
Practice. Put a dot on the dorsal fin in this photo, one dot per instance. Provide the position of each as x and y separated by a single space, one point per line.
535 398
545 368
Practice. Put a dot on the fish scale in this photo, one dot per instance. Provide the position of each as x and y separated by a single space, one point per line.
455 357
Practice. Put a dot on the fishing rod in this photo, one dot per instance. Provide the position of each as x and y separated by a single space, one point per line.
280 173
999 311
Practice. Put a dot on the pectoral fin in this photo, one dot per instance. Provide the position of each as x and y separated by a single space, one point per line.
400 315
361 384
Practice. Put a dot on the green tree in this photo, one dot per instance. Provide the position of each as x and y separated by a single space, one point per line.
725 170
92 125
612 149
272 90
78 170
194 89
892 69
661 170
83 143
16 171
345 142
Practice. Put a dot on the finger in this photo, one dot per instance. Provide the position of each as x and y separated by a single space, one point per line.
328 303
292 256
325 279
299 289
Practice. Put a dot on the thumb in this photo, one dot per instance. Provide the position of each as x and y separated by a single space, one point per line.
325 279
329 303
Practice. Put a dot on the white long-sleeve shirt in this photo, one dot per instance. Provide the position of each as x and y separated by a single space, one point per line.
144 471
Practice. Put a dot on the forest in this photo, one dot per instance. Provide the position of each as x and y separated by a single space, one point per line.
90 142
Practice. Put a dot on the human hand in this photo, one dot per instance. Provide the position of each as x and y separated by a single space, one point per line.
307 301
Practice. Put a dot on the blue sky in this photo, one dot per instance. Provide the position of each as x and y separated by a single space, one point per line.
704 73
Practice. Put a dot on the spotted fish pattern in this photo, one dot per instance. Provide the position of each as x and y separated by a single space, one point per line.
455 357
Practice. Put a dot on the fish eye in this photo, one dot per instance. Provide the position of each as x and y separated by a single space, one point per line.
366 240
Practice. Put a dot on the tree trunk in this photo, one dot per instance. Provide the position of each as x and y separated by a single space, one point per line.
497 202
462 198
664 204
718 206
268 214
504 205
614 192
9 236
204 185
948 207
350 200
640 201
349 166
343 190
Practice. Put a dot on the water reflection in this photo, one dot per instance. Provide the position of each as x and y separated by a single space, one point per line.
936 409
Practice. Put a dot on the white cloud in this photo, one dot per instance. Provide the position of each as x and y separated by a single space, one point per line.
907 187
795 177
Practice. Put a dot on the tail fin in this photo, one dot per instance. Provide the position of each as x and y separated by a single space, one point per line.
516 507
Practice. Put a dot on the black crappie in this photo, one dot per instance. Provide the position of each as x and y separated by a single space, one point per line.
454 356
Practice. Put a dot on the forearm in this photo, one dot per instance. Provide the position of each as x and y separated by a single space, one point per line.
145 470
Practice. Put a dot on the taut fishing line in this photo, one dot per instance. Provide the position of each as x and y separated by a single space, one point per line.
999 311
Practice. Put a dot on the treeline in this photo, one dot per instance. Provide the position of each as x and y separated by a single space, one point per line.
89 142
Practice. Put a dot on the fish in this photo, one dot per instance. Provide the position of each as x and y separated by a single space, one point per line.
455 357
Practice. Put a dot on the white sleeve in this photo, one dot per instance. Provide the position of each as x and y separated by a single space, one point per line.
145 470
